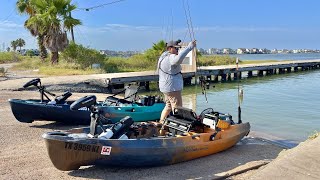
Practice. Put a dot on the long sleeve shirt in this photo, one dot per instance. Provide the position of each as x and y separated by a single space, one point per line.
169 69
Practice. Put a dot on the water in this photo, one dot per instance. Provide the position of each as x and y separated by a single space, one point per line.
282 106
300 56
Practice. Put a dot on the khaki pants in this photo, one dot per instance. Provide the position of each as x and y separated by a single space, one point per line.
172 100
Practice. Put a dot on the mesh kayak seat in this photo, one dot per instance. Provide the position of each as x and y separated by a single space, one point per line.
182 120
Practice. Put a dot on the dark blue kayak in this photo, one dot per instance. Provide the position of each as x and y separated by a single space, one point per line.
58 108
27 111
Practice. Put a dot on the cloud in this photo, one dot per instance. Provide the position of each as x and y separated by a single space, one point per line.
124 27
8 25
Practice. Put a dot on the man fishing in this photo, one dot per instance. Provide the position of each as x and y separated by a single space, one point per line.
170 77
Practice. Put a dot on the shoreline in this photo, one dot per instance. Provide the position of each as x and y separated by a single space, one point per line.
250 156
24 155
284 143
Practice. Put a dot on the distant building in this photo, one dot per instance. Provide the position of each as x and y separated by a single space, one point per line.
242 51
213 51
227 51
202 51
274 51
254 51
119 53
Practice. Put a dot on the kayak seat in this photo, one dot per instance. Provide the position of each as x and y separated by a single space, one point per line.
112 99
182 120
121 127
61 99
116 101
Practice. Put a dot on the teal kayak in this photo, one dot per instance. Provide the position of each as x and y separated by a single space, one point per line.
137 112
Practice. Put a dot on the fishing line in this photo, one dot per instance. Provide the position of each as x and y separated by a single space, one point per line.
185 35
5 19
187 19
171 24
190 20
82 36
101 5
192 37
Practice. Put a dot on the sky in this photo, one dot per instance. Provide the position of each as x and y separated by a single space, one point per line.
137 24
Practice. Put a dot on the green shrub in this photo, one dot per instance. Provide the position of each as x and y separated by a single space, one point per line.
83 56
215 60
134 63
30 53
9 57
2 72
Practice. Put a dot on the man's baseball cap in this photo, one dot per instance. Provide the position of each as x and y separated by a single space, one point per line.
174 43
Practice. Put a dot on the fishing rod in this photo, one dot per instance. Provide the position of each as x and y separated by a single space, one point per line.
192 37
240 92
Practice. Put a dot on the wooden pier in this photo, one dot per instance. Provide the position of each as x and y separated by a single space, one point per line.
214 73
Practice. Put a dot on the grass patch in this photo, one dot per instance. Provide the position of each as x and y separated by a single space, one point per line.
132 64
61 69
9 57
30 63
215 60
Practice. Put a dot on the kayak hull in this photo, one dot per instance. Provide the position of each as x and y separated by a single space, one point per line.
27 111
70 151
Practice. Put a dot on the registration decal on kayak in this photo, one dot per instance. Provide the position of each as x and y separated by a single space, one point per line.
81 147
106 150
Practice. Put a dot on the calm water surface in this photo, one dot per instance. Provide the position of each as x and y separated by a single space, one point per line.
281 107
284 106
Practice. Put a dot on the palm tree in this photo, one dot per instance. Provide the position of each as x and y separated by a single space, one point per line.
26 7
53 19
20 43
14 45
159 47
